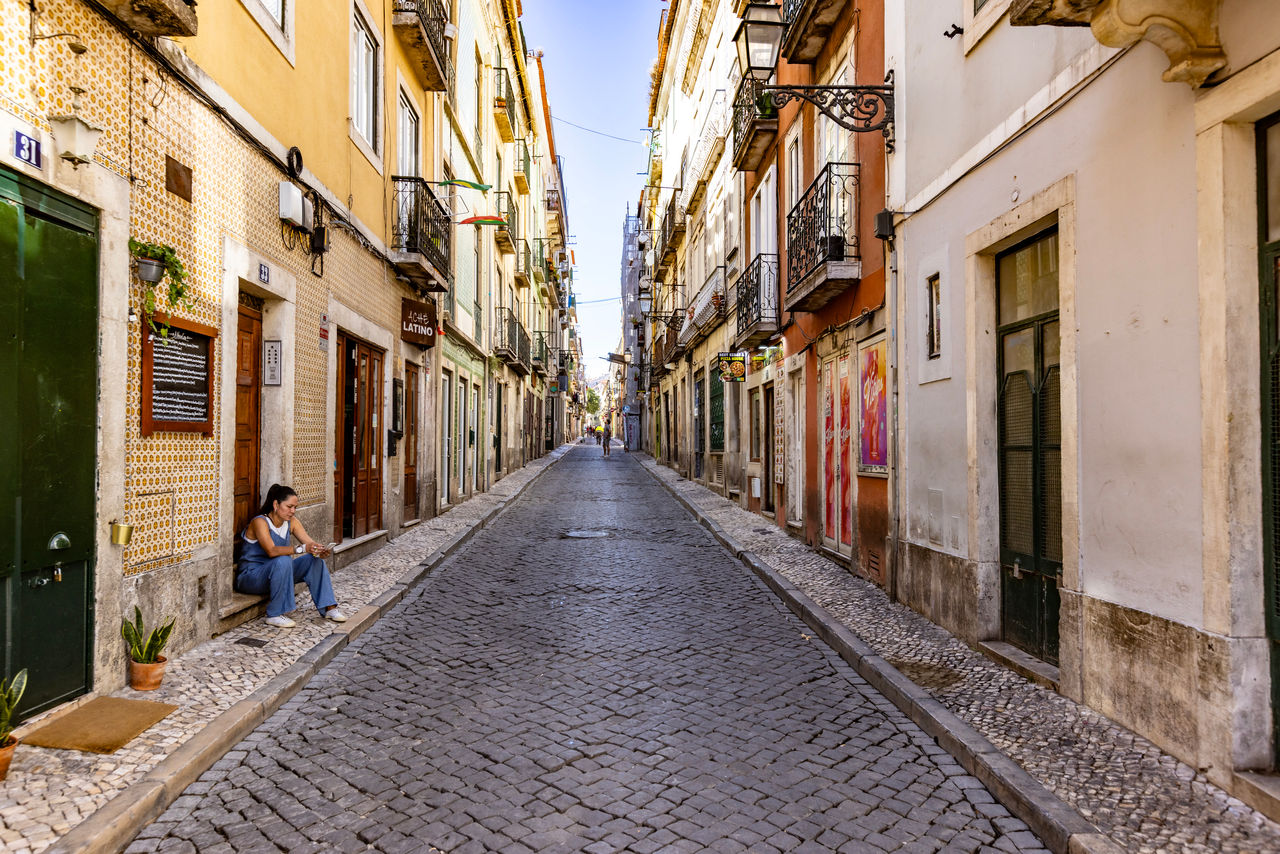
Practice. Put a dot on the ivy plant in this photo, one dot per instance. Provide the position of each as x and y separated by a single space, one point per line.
175 277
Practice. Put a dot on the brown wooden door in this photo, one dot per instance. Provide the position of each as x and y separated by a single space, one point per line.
248 414
411 381
358 474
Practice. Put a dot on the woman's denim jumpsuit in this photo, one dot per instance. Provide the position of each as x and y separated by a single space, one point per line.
259 573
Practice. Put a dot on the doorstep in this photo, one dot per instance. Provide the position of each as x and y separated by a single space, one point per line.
1024 664
349 551
1259 790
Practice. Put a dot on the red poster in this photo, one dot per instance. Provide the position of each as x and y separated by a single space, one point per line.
846 475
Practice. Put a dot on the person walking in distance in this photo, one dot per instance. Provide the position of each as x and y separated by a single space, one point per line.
608 435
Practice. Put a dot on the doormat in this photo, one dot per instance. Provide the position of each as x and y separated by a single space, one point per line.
102 725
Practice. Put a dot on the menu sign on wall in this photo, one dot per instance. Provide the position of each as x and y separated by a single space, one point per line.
177 379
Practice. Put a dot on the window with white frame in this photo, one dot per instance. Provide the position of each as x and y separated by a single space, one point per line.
408 134
933 315
275 8
364 80
764 217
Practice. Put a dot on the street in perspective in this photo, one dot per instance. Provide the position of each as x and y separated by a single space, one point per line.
651 426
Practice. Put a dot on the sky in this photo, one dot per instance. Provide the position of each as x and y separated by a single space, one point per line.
596 56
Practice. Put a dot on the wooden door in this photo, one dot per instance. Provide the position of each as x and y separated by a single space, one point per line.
412 379
358 498
1269 311
248 463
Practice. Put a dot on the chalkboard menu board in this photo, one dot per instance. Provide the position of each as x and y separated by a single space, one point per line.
177 378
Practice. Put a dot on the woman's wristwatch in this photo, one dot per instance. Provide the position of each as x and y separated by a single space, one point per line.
299 550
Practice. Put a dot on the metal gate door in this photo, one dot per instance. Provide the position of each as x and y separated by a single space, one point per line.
1269 309
1030 446
48 462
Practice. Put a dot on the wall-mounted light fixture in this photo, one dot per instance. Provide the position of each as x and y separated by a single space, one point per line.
74 138
856 108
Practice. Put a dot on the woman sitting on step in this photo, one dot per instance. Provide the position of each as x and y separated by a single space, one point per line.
271 565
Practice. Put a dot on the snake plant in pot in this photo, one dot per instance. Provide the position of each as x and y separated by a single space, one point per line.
10 694
146 664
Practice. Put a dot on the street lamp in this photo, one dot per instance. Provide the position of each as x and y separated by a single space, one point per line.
855 108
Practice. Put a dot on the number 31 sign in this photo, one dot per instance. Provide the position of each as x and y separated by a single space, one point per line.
26 149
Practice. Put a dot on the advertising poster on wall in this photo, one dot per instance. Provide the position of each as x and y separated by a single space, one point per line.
873 453
733 367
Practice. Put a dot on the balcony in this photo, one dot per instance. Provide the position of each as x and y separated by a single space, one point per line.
524 263
155 17
511 341
822 239
673 227
505 235
539 259
755 126
422 234
522 167
419 24
539 353
809 26
555 215
504 105
757 298
706 154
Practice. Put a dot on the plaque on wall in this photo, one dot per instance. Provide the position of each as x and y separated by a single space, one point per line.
177 379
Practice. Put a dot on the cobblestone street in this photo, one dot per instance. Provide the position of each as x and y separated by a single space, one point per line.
593 671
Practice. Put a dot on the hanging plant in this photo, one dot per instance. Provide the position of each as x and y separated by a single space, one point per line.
158 262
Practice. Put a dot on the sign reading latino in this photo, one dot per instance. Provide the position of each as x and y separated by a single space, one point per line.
418 322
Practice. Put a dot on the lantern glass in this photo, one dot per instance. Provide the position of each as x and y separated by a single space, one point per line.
759 40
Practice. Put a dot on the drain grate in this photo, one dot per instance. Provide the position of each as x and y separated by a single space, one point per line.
583 535
257 643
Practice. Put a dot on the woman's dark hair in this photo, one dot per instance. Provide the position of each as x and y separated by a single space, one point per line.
277 492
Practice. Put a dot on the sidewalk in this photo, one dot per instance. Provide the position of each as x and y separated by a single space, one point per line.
89 803
1065 757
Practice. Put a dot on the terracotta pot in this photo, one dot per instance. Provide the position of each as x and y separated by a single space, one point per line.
6 756
146 677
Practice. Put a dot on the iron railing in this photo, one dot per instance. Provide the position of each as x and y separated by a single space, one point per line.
523 162
422 223
506 208
522 349
524 260
790 8
431 15
539 351
503 97
823 225
758 293
553 201
673 223
749 106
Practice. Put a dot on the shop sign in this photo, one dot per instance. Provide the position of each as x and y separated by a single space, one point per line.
733 367
418 322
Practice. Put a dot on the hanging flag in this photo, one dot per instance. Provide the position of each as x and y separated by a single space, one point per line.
483 220
470 185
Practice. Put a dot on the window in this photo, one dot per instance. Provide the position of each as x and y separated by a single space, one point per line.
364 81
933 315
793 172
275 8
479 110
408 133
980 17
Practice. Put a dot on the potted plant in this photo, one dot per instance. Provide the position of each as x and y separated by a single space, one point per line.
146 664
10 694
157 262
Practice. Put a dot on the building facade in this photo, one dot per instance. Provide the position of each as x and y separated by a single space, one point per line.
341 329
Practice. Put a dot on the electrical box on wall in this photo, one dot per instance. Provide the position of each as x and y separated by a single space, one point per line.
291 207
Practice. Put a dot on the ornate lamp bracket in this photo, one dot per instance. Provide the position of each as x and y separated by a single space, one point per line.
861 109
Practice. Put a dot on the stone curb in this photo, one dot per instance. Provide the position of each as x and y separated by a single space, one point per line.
110 829
1059 826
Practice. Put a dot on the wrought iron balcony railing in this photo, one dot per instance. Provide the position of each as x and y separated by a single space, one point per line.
823 225
506 234
523 349
750 108
758 294
422 224
524 263
539 352
431 19
522 166
504 104
506 338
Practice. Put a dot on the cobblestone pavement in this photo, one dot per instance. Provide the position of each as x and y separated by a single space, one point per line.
48 792
1141 797
635 689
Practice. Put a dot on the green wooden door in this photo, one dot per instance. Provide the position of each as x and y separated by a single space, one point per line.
1269 310
1030 446
48 378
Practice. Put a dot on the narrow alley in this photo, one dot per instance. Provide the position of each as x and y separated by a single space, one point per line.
592 672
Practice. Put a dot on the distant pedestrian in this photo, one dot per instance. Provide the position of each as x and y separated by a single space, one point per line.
608 436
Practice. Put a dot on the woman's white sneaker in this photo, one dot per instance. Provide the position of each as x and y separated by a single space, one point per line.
281 622
335 615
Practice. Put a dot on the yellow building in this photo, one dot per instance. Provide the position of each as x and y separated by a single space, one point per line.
290 157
